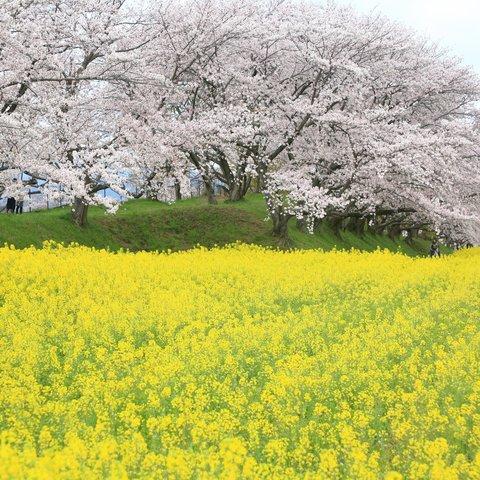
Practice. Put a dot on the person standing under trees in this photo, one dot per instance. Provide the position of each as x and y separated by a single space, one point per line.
435 249
11 205
19 202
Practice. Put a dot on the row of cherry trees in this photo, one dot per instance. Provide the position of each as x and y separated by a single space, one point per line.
328 112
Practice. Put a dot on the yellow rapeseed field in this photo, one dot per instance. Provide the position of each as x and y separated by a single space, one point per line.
238 363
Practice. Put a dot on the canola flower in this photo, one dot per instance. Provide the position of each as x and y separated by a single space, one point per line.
238 363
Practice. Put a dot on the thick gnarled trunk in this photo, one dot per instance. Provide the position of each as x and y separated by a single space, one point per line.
280 220
259 182
79 212
238 190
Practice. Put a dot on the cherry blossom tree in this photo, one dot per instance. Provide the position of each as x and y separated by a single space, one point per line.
331 113
61 97
338 113
195 43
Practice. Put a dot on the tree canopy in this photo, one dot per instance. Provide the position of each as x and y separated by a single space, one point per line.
328 111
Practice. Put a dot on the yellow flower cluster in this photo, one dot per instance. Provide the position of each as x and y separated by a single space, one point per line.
238 363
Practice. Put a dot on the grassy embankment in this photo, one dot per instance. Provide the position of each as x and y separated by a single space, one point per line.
150 225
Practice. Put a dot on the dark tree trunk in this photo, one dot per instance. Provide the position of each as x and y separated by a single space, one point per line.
236 182
235 193
302 225
237 190
260 180
280 226
394 231
378 226
357 224
178 192
309 226
412 233
336 225
79 212
212 200
258 184
205 177
350 224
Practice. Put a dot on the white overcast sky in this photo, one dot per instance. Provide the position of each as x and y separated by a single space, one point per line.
453 23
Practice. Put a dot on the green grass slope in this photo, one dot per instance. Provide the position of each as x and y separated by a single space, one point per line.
151 225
